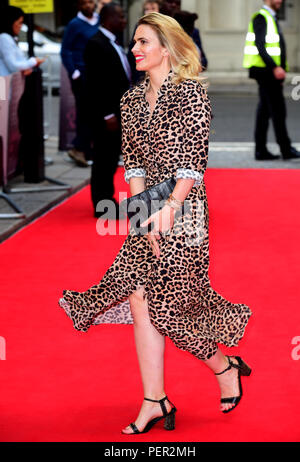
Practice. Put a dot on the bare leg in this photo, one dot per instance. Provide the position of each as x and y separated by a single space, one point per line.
150 347
228 381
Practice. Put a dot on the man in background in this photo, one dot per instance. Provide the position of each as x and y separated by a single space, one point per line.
265 57
108 78
76 36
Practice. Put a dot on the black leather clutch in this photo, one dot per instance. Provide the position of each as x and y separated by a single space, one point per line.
141 206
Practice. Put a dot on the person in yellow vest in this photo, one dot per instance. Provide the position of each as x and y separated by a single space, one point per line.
265 57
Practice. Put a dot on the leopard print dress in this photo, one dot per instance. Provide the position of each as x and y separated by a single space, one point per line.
182 305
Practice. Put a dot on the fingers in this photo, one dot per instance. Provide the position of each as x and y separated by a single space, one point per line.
154 244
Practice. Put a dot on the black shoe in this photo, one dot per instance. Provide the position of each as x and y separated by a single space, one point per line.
265 155
291 154
243 369
168 416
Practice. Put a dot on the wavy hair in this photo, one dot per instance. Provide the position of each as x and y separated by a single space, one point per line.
184 55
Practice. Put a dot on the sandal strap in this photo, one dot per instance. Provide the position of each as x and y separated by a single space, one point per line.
134 428
225 370
232 400
231 364
161 402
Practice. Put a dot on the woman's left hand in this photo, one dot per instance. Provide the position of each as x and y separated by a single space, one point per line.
163 220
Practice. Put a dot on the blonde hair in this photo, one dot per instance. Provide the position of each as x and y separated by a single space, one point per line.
184 55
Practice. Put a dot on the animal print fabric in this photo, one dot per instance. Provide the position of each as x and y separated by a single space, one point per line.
182 304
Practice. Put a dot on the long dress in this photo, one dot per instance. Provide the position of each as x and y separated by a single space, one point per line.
182 305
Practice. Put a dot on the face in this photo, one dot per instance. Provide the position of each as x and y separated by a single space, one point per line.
150 7
117 21
148 51
87 7
275 4
171 7
16 27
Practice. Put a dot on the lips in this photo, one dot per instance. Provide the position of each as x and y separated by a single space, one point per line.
139 58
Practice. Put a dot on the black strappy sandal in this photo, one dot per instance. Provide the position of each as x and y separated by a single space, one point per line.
169 417
243 369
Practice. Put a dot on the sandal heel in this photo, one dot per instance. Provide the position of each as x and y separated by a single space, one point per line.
245 369
169 423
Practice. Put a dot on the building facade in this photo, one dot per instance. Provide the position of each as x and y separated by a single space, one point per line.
223 25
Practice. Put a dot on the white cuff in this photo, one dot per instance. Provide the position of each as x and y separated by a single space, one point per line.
76 74
109 116
134 173
190 174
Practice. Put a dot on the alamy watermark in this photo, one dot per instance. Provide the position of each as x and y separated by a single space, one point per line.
2 348
189 222
296 91
295 354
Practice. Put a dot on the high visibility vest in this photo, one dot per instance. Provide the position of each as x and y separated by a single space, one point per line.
272 42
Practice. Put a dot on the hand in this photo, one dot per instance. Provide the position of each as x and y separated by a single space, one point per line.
39 61
163 221
112 124
279 73
27 72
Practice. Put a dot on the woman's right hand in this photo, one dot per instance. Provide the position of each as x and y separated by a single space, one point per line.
153 241
40 61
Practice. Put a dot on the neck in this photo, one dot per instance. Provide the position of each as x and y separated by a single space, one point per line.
87 15
158 76
266 4
108 27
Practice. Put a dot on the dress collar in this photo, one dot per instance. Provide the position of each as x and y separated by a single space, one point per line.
92 21
108 34
166 88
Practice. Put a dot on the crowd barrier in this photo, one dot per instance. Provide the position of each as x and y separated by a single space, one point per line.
11 90
67 113
30 143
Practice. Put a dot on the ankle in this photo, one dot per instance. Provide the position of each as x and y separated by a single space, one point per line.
155 396
222 367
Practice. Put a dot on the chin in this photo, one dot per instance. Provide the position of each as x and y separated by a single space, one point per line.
140 67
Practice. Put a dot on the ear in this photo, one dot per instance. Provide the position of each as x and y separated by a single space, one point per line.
165 52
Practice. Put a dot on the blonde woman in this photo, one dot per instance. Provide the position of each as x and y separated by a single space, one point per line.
166 122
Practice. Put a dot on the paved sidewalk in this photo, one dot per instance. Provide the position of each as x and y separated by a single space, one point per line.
34 204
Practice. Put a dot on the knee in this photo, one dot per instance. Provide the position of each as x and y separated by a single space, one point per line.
139 307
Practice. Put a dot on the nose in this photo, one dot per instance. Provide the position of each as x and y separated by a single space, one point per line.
135 48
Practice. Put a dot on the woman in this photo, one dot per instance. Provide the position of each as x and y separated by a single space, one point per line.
165 122
12 58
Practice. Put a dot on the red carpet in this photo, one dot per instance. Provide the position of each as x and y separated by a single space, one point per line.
61 385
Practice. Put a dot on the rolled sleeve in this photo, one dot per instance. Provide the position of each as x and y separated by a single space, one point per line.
132 157
195 118
134 173
189 174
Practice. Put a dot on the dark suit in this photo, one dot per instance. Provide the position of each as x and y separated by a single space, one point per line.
106 83
272 103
